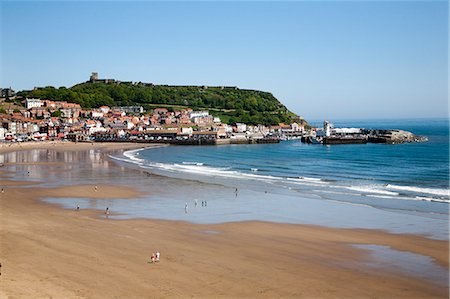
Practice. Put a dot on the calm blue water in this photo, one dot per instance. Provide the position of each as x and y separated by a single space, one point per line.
412 177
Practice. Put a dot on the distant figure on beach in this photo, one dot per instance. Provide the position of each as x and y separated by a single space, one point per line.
95 188
107 211
78 208
153 258
3 190
195 203
185 208
236 191
157 255
206 203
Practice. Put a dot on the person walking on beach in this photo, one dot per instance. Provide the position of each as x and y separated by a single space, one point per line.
157 255
107 211
185 208
195 203
95 188
78 208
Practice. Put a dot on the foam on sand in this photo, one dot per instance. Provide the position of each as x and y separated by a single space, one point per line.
434 191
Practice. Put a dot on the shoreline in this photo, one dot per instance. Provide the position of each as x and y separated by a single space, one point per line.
64 253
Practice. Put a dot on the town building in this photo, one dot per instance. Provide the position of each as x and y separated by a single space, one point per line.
31 103
130 109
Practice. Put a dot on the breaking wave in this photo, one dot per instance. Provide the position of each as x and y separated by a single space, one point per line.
433 191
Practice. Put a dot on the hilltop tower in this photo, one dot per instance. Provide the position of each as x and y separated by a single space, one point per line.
93 77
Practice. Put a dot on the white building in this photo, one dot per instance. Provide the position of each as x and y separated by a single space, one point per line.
120 133
295 127
228 128
2 133
96 128
129 109
195 114
203 120
104 109
240 128
97 114
186 130
331 130
31 103
12 127
129 124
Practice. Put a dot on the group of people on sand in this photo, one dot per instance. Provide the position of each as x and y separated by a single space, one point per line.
186 206
155 257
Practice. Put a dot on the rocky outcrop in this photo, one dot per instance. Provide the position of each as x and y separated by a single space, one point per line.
394 136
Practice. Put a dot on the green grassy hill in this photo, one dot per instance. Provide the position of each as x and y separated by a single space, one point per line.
230 103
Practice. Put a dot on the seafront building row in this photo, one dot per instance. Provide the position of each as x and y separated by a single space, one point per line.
46 119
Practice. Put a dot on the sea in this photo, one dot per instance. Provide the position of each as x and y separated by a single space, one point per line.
410 171
402 188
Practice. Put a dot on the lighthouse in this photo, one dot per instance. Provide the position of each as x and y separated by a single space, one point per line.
327 128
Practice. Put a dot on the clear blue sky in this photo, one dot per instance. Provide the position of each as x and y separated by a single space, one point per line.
330 59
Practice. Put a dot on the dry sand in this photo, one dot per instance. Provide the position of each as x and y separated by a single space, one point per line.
49 252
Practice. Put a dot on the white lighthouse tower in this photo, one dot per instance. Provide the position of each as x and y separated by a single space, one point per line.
327 128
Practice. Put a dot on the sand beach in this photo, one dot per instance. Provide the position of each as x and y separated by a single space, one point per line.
50 252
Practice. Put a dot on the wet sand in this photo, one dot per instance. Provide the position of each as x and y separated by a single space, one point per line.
47 251
70 146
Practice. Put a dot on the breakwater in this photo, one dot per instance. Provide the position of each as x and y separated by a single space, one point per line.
362 136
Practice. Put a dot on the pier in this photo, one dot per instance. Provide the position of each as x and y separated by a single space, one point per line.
330 135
